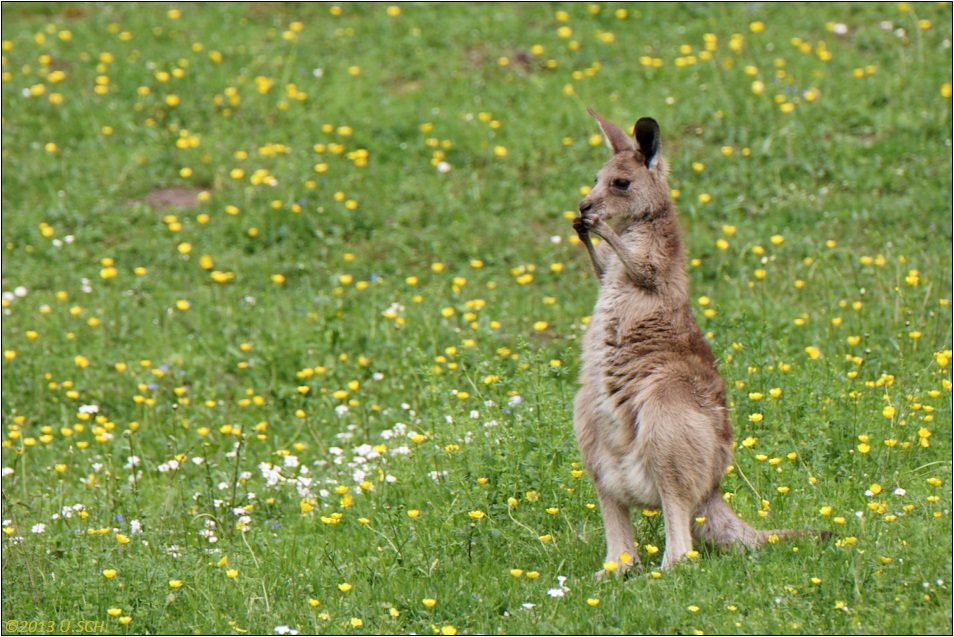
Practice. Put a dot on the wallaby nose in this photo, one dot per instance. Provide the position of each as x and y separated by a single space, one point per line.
585 206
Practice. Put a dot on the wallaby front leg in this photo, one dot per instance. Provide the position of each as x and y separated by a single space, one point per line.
584 235
644 278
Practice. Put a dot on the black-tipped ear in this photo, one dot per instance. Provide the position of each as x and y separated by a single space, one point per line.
646 133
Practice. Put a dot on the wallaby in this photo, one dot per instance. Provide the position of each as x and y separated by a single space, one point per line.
650 416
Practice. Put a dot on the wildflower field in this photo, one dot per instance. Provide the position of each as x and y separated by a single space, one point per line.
292 312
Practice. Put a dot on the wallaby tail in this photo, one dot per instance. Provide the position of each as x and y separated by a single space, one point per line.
722 528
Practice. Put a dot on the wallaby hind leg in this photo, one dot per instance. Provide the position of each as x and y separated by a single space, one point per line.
619 533
676 512
685 455
721 527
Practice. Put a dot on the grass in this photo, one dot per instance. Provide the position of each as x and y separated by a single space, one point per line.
334 379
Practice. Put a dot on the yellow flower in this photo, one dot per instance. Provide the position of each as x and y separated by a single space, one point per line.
413 513
345 587
232 573
813 352
476 514
592 601
429 603
175 583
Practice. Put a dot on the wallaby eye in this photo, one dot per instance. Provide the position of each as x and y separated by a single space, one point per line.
622 184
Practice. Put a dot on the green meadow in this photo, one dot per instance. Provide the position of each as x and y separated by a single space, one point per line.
292 313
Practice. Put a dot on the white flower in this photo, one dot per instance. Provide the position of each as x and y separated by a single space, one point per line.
443 167
290 461
38 528
556 592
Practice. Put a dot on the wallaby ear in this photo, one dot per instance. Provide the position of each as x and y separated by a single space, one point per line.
646 133
616 139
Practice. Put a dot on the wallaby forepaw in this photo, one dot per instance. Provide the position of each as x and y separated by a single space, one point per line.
593 223
580 227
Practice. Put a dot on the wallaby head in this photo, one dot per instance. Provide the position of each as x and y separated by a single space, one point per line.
632 184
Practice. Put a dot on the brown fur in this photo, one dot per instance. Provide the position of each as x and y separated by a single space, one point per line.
650 417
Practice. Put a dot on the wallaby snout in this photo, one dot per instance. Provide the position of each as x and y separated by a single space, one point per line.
586 205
